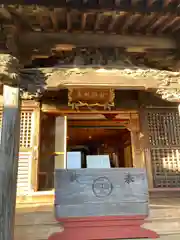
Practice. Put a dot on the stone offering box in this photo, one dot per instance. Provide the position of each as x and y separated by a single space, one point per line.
101 204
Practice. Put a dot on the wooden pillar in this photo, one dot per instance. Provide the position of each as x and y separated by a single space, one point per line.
36 146
9 150
60 142
179 109
144 142
149 167
137 152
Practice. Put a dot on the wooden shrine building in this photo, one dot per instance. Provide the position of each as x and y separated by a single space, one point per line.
97 76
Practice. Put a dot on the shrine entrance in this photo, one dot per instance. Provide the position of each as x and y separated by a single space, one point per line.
104 138
89 131
83 137
88 140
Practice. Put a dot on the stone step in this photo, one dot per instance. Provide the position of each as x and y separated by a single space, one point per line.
164 226
164 193
37 231
169 237
27 213
40 224
35 221
37 197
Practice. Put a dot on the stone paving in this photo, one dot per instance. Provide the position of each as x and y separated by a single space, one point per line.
36 221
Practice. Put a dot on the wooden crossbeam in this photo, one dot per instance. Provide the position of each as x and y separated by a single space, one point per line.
40 40
123 5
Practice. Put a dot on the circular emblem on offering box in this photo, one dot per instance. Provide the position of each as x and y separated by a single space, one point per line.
102 187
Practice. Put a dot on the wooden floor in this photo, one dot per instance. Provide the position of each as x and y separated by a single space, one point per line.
36 221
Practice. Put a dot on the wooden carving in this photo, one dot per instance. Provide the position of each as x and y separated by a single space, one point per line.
9 70
91 97
170 95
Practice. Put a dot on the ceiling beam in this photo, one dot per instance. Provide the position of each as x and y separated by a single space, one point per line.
123 5
40 40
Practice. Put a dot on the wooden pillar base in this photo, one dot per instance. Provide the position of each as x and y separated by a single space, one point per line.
93 228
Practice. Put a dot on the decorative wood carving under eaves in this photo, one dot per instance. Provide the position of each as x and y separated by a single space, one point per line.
36 81
9 70
171 95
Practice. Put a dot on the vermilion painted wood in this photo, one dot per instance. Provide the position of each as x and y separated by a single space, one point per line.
94 228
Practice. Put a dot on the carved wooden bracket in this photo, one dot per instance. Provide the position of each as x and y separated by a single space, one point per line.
133 125
170 95
9 70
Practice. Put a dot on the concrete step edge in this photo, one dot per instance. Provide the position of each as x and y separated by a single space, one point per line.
159 219
54 222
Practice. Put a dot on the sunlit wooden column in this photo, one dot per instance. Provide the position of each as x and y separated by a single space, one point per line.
144 143
36 144
137 155
137 152
179 109
60 142
9 147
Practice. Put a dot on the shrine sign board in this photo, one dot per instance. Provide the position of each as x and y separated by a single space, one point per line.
79 97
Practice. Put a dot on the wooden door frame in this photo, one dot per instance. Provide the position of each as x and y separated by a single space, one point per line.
133 125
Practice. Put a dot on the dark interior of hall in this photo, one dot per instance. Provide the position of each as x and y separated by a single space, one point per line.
114 143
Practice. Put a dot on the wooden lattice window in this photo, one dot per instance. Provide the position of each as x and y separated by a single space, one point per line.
164 139
164 128
166 167
26 128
